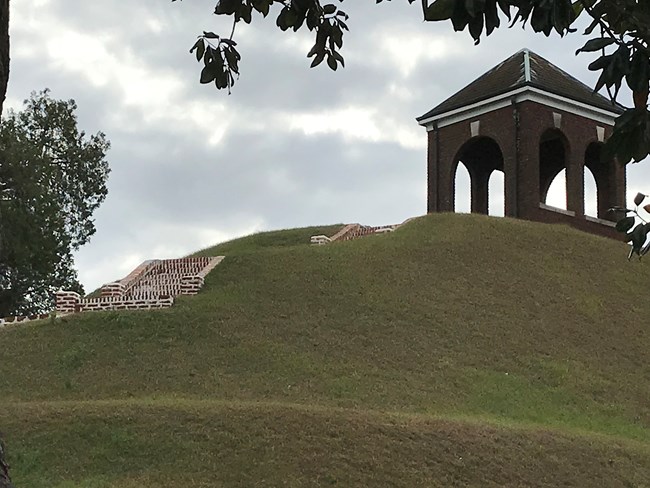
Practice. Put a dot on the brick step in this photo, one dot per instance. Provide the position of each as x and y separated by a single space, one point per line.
162 278
157 290
125 303
353 231
153 284
203 260
178 267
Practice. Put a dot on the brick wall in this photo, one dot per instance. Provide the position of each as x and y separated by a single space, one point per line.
20 319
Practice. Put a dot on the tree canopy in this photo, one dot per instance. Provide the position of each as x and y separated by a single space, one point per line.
52 179
619 29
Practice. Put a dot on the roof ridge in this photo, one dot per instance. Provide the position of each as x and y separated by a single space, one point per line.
527 77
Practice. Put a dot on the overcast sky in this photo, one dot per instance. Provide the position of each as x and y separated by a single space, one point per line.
291 146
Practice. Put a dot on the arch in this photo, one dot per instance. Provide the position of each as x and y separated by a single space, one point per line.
554 154
481 156
462 199
556 194
591 193
497 194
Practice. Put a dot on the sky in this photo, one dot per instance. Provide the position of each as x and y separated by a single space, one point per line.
192 166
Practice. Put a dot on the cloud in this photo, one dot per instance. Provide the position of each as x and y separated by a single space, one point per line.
291 146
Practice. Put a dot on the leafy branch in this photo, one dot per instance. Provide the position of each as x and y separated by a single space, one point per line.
624 25
636 235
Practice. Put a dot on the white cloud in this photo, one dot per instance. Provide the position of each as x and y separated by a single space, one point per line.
407 51
357 123
192 166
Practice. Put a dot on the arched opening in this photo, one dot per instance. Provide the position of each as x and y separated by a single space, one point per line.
462 190
591 194
556 193
602 172
481 156
496 194
553 157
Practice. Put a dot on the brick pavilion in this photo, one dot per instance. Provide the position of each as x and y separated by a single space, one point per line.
531 120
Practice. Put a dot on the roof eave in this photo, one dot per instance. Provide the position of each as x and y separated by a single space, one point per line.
516 95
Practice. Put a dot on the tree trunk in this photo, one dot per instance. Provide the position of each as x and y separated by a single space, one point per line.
4 50
5 482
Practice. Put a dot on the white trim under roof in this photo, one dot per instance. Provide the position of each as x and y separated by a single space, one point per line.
523 94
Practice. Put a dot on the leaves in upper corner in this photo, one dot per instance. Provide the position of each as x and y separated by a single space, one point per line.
475 15
221 60
547 16
480 16
439 10
329 25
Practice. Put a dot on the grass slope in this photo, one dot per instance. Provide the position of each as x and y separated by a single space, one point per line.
457 351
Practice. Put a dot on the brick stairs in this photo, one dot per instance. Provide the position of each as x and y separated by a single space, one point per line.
354 231
153 284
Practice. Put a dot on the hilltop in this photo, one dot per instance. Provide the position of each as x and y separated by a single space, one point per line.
459 350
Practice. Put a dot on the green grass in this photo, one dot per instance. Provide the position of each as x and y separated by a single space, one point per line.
522 348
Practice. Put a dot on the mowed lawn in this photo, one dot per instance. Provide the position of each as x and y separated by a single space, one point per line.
460 350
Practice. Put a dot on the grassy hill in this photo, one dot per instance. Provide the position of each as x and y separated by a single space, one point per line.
460 350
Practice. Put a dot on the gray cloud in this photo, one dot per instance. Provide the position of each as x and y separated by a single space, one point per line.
291 146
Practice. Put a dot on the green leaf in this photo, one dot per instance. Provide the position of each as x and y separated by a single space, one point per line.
200 50
596 44
440 10
492 20
637 237
476 28
338 57
196 45
578 8
541 20
639 75
331 62
475 7
602 62
318 59
208 73
625 224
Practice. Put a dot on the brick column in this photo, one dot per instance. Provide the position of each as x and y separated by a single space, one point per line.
67 301
115 289
480 180
575 181
432 170
191 285
610 179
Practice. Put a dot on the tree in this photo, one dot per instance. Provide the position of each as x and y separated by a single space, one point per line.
5 480
52 179
4 50
619 29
